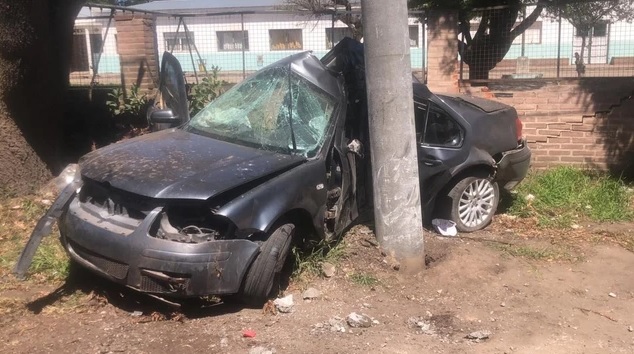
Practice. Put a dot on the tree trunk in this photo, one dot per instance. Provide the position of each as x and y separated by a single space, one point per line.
484 56
35 38
479 70
485 52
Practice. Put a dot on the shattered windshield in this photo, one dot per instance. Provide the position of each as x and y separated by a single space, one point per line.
274 110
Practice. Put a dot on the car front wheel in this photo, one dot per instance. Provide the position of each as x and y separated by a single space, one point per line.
261 277
473 202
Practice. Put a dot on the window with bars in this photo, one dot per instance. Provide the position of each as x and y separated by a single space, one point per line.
232 40
178 41
598 30
286 39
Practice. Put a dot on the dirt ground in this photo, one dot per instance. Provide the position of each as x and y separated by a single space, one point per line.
532 294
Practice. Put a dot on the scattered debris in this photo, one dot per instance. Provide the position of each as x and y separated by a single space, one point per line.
334 324
503 304
153 317
369 242
478 336
224 342
612 295
247 333
158 316
529 198
586 311
261 350
269 308
284 304
177 317
328 269
137 314
421 325
630 328
445 227
311 293
356 320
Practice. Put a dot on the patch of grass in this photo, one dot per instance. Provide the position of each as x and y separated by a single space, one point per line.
17 219
307 261
544 253
364 279
564 195
50 261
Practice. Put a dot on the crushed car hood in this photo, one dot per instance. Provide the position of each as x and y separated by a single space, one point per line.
176 164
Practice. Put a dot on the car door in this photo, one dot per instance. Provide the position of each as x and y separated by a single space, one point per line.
172 91
440 138
345 180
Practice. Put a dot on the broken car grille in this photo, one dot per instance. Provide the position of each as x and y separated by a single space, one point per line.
153 285
115 201
113 268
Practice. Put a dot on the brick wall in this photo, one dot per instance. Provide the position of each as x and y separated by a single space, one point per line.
585 122
137 48
442 52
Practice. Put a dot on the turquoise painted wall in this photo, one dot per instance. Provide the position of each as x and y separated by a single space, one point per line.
109 64
232 61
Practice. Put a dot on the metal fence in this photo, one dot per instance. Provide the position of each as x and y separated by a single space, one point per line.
236 44
551 47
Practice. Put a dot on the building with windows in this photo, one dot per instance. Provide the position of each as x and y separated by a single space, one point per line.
242 36
238 36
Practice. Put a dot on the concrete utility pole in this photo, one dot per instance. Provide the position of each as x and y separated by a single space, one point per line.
397 210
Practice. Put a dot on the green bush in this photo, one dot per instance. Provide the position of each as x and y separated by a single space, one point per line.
207 90
566 195
132 104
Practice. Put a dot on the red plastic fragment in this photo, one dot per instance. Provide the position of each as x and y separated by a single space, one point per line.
247 333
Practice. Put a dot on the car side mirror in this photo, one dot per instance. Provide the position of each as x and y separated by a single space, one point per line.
160 119
164 116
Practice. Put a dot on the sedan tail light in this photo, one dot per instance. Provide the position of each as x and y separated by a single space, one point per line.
518 129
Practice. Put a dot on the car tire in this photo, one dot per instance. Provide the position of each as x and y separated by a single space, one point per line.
261 277
472 202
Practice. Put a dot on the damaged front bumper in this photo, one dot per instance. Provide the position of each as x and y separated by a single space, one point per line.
44 227
124 252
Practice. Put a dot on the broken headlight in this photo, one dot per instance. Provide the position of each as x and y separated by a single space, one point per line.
191 225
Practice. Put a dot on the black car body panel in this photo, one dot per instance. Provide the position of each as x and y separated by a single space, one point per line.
295 190
138 196
177 164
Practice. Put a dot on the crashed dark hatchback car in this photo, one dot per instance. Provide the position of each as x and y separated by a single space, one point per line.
211 205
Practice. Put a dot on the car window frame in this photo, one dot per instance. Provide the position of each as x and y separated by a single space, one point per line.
429 106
